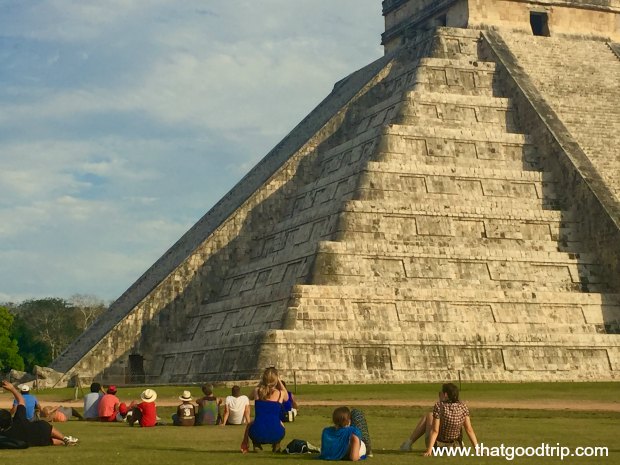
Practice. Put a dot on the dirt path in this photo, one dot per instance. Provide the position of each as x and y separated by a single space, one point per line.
524 405
582 405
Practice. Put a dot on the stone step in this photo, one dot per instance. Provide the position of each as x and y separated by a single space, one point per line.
461 154
338 176
387 250
417 225
272 263
400 198
458 64
479 212
381 114
260 297
300 220
465 77
525 341
489 135
414 293
406 303
352 149
320 318
464 172
413 97
458 111
512 284
469 183
408 236
346 263
467 120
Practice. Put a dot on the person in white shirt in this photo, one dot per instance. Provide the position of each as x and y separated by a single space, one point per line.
91 402
236 408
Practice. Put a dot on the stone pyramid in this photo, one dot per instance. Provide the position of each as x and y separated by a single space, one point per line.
440 212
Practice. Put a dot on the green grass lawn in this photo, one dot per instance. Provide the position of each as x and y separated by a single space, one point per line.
389 426
422 392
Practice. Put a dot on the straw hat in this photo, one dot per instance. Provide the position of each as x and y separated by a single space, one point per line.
148 395
186 397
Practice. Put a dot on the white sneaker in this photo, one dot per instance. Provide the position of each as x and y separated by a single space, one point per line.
406 446
70 441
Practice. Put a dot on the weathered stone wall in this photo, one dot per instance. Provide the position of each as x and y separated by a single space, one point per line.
580 80
589 173
484 335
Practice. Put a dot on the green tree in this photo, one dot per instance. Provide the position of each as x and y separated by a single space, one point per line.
9 350
32 349
54 321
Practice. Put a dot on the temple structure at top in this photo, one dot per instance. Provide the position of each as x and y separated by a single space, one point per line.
406 19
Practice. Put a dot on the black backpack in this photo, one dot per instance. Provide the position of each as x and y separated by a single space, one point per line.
10 443
299 446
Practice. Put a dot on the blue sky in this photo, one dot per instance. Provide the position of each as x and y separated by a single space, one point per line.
123 121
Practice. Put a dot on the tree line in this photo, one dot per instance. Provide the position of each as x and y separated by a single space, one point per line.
35 332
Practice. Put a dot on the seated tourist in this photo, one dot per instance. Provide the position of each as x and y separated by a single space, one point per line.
344 440
443 426
236 408
109 406
32 404
145 412
33 433
186 413
91 402
267 428
208 407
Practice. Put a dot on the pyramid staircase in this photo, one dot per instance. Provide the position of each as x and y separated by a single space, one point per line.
456 253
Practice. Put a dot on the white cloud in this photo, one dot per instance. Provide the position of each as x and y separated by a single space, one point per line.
124 120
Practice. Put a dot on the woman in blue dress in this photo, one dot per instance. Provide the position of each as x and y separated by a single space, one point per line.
266 428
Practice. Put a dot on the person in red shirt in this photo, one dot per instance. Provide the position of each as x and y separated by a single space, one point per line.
109 405
144 413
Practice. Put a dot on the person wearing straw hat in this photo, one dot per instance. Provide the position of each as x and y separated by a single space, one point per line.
144 413
186 413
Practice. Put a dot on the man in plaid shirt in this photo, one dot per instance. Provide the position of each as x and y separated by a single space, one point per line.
442 427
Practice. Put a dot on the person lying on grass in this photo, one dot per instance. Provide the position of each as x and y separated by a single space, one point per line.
34 433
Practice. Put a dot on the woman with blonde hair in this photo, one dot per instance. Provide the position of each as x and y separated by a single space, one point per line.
268 398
